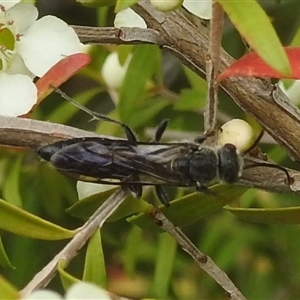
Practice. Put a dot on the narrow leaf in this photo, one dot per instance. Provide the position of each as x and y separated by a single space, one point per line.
289 215
7 290
191 208
4 260
21 222
252 65
94 266
130 255
255 26
167 247
67 279
122 4
11 185
140 71
60 73
87 206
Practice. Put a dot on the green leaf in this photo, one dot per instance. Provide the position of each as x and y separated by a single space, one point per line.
167 247
87 206
4 260
66 278
96 3
196 82
256 28
296 39
191 208
140 71
21 222
122 4
190 99
94 267
130 255
12 182
148 111
8 291
289 215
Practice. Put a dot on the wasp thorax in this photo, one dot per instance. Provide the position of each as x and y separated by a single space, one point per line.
230 163
200 166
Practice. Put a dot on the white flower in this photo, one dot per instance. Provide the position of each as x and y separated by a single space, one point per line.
113 72
43 295
28 48
84 290
129 18
78 291
200 8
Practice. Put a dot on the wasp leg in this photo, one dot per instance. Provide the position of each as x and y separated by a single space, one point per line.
162 195
137 190
158 135
161 129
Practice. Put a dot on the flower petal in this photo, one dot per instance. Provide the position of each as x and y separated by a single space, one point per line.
129 18
43 294
83 290
17 94
200 8
46 43
23 15
8 4
17 66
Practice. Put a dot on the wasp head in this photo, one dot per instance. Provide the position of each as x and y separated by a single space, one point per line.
230 163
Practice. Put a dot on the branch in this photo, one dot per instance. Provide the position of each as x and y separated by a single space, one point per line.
27 133
42 278
175 32
19 132
204 262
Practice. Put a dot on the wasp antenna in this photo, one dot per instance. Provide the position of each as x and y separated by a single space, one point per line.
254 165
255 142
161 129
94 115
97 116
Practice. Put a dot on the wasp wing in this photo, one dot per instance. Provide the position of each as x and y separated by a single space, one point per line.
101 159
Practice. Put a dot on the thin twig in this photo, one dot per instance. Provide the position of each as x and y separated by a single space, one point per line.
42 278
212 68
204 262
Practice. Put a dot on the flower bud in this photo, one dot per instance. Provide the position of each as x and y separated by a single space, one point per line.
237 132
113 72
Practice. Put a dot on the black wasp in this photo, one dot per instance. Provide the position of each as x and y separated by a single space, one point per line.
136 164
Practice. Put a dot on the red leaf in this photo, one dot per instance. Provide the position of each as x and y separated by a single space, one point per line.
60 73
252 65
